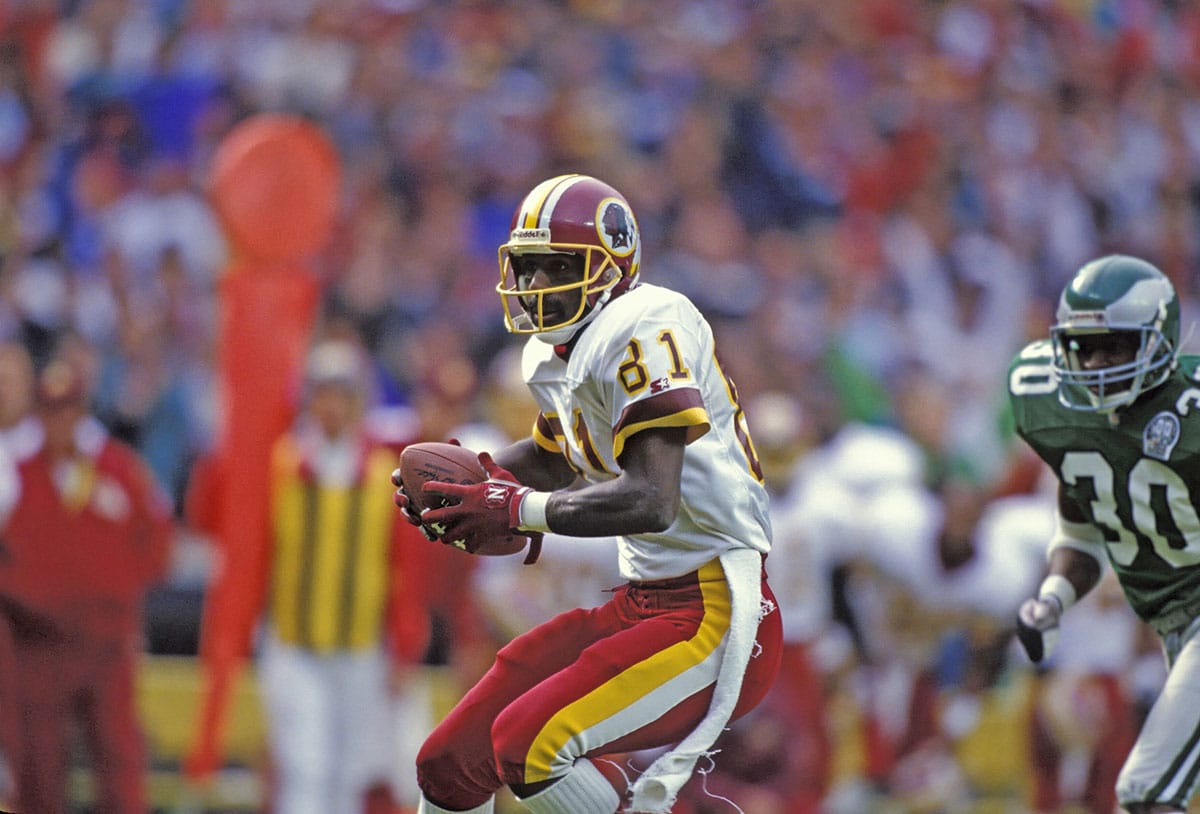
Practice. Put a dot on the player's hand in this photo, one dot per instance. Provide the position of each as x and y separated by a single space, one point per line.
479 511
402 500
1037 626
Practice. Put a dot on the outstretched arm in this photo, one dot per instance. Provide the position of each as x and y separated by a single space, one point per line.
1077 550
1075 568
644 497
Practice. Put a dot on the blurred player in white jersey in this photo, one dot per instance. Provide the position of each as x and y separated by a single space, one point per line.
641 436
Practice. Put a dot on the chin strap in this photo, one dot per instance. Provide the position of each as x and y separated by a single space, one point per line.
564 339
655 791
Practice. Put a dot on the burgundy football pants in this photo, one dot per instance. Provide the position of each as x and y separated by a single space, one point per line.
571 688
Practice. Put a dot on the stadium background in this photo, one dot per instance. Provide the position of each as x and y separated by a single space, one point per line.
874 202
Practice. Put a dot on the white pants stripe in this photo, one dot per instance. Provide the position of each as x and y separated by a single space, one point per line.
1164 764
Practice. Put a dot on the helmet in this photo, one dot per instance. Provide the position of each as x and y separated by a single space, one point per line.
575 214
1109 295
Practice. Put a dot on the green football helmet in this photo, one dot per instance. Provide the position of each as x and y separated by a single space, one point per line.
1115 294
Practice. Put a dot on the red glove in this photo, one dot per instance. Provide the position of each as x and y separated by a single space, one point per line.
482 511
401 499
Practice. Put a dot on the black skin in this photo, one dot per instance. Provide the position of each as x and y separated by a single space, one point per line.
645 495
1098 351
1106 349
1081 570
537 271
643 498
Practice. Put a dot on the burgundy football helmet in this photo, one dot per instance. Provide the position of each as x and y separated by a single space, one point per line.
574 214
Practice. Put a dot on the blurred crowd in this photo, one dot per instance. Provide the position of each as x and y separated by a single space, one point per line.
848 191
875 203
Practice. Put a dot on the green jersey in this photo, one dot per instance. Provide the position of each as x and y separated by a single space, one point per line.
1133 478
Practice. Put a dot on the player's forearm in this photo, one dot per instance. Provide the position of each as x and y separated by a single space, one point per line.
619 506
1078 569
643 498
1076 551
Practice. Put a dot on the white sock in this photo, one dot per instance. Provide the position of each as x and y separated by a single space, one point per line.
582 791
426 807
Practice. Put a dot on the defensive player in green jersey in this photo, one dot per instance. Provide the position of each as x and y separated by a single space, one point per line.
1111 406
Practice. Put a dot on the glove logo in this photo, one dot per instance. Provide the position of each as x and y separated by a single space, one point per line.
496 495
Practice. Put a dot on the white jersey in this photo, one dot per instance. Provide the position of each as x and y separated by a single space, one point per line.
646 361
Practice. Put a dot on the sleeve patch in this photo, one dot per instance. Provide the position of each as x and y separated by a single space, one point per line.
682 407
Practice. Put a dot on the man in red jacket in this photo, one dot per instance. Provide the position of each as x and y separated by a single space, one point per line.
87 535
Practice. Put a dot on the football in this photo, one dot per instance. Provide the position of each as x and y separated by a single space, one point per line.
434 460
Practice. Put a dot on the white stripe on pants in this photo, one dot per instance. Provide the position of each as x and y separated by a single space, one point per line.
1167 751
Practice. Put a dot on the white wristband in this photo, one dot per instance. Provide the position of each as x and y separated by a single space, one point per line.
533 512
1059 587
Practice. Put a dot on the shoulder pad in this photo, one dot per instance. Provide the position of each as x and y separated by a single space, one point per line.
1030 373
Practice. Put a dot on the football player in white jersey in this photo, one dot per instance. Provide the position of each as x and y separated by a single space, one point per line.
639 435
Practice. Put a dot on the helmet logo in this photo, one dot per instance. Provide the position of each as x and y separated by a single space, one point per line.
616 227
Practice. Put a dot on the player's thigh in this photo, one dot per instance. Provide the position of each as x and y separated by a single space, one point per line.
621 684
524 663
1165 760
680 712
